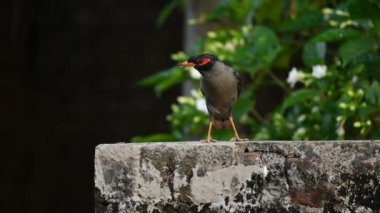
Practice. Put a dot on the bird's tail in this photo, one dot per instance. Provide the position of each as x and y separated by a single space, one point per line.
223 123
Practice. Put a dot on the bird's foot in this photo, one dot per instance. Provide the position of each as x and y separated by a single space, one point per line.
208 140
236 139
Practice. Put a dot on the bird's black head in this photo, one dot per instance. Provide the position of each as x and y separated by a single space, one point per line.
202 62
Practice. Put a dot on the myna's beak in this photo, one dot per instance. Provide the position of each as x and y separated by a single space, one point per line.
186 64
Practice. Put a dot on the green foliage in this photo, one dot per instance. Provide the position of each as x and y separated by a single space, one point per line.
154 138
164 80
299 97
165 13
314 53
333 91
187 120
353 48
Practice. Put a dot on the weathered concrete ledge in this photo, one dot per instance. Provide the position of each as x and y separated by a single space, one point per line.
333 176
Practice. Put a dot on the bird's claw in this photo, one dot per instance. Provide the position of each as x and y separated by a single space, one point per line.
236 139
209 140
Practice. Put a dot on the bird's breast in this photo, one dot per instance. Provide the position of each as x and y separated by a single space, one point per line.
220 90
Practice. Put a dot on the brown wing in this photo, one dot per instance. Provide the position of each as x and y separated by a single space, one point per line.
239 86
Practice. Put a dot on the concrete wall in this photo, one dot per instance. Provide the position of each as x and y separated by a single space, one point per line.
336 176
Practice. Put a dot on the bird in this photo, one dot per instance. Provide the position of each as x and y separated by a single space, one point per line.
221 87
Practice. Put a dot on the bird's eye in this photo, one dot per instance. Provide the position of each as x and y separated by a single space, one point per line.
203 61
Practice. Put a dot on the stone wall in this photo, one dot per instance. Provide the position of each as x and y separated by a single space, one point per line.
271 176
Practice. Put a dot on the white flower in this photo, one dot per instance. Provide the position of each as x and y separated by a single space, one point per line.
194 74
200 104
319 71
292 77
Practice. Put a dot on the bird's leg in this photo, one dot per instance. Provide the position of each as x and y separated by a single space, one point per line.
209 138
236 137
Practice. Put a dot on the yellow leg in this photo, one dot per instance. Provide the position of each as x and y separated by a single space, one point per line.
236 137
209 138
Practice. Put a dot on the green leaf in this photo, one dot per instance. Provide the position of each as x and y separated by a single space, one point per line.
305 21
154 138
354 48
298 97
168 9
234 10
269 10
266 43
223 135
375 135
263 46
164 80
336 35
155 78
242 106
370 59
314 53
373 93
363 9
179 56
221 10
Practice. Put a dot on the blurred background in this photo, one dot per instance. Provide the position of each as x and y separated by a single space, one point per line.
69 73
75 74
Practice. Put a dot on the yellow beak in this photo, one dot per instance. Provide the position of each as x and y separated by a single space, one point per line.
186 64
